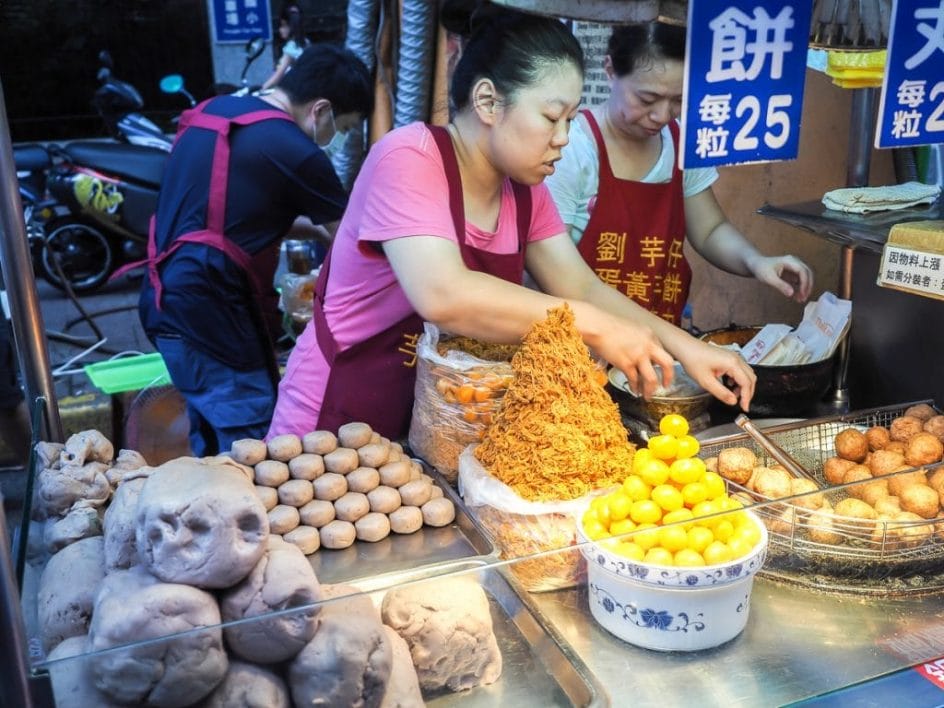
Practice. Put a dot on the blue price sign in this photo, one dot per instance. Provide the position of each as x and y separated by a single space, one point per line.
240 20
912 107
744 75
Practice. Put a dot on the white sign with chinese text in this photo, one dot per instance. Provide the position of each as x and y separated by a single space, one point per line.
744 76
914 271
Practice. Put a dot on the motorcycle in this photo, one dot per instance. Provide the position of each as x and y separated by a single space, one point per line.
118 103
174 83
105 195
32 163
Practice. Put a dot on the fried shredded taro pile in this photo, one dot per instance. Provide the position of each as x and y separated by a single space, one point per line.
480 350
558 434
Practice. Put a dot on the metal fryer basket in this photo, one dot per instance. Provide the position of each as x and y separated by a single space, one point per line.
871 551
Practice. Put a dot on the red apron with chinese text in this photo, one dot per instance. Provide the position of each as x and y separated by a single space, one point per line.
634 238
258 267
373 381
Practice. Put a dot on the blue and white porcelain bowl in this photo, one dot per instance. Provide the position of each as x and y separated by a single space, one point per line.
668 608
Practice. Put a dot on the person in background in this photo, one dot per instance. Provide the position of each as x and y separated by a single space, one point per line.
441 226
241 171
625 202
293 43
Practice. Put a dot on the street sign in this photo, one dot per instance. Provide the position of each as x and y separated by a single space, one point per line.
911 111
241 20
745 68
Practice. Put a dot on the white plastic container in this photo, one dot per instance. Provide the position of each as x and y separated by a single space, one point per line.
669 608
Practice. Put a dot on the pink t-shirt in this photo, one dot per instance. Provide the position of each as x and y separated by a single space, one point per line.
401 190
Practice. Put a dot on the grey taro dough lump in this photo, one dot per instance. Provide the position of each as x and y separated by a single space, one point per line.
200 524
133 606
249 686
282 579
448 626
348 662
67 590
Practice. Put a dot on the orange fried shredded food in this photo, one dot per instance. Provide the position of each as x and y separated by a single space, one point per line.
558 434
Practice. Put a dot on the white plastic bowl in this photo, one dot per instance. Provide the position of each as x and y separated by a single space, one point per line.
668 608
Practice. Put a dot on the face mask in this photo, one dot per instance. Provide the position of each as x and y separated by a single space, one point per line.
336 142
334 134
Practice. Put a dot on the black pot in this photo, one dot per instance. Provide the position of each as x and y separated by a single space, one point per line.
781 391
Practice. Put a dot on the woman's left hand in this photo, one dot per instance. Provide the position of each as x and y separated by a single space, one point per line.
707 364
788 274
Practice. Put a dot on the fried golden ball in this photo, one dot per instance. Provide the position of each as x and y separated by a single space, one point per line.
852 444
896 446
935 426
921 500
887 505
771 483
781 521
874 491
884 535
923 449
897 483
910 531
904 427
885 461
856 473
835 468
921 411
855 517
877 437
812 498
737 464
711 464
936 479
821 527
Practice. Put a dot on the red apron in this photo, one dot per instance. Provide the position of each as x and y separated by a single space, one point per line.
634 238
373 381
257 267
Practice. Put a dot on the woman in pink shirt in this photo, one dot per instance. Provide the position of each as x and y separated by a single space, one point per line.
441 225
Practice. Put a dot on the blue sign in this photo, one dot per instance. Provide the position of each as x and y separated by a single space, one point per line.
912 107
744 74
241 20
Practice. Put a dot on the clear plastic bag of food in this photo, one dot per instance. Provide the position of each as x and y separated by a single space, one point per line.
523 528
458 392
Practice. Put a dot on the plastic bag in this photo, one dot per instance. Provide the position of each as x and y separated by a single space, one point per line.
298 295
522 528
456 398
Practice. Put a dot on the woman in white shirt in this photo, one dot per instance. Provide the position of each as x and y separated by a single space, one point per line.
625 202
294 43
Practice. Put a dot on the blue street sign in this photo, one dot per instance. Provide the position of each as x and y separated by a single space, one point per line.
744 74
912 108
240 20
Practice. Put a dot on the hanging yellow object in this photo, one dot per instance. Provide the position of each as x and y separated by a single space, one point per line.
856 69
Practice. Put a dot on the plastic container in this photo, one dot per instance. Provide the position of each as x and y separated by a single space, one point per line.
670 608
130 373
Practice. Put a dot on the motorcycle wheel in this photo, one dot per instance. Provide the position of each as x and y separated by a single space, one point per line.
84 255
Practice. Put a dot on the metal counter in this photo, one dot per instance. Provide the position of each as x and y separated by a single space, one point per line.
798 643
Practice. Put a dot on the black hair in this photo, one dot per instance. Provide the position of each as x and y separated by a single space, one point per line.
333 72
638 45
510 48
292 16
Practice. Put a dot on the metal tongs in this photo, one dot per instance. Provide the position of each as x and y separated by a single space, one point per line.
773 449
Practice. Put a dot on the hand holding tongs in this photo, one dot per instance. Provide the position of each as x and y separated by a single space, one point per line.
774 450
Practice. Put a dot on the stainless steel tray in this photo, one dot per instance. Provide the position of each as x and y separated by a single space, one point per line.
428 551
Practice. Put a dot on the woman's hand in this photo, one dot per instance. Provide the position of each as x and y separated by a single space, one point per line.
634 349
707 364
788 274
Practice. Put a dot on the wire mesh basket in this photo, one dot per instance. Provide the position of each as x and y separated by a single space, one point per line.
805 542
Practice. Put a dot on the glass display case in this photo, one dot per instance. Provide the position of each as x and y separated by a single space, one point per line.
803 637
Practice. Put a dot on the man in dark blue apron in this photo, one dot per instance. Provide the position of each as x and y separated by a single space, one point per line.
241 171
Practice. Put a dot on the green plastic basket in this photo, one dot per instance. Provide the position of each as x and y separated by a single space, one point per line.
130 373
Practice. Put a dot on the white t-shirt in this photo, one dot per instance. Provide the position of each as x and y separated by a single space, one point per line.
576 176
